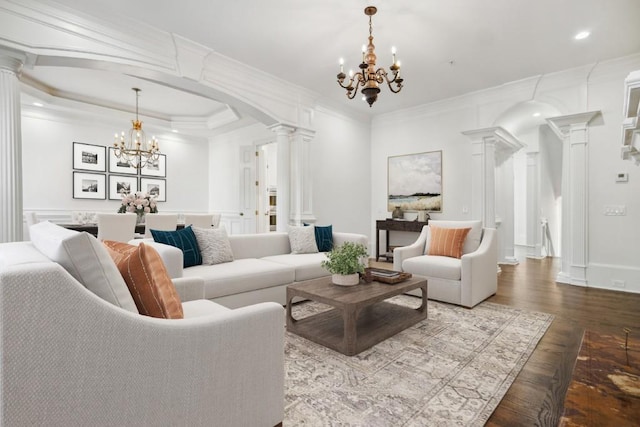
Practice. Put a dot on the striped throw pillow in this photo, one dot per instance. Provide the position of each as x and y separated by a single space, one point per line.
147 278
447 241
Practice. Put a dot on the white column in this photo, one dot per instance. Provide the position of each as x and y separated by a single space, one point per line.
283 197
485 144
505 193
301 182
573 131
534 230
10 151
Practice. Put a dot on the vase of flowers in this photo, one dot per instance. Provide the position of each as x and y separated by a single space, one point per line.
138 203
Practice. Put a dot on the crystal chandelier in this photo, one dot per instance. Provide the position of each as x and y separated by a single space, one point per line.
136 151
368 76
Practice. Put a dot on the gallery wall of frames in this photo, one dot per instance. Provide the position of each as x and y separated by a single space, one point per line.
99 175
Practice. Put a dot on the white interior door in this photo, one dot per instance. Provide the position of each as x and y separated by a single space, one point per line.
248 188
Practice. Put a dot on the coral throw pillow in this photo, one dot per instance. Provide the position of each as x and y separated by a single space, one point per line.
447 241
147 278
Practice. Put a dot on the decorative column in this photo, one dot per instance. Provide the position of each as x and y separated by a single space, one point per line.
492 148
10 151
573 131
301 183
505 197
283 181
534 230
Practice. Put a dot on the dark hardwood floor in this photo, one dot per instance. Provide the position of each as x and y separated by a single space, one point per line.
536 398
537 395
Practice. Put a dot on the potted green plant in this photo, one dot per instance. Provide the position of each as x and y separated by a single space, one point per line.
344 262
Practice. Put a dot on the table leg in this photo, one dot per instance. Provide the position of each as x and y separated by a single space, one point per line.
290 319
350 323
423 308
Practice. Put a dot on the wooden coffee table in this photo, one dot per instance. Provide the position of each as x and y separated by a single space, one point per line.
360 318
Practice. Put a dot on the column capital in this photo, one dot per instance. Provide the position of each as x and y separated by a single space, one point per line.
562 125
282 129
10 62
501 138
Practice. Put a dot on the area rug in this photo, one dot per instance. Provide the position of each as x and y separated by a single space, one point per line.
451 369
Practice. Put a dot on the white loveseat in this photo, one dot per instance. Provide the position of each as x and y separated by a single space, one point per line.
262 267
466 281
69 357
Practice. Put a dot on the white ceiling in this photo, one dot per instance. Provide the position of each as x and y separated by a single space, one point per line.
447 48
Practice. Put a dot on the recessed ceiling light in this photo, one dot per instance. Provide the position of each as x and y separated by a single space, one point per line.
582 35
174 130
38 104
536 114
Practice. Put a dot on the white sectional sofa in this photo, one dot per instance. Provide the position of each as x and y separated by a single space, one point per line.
71 358
262 267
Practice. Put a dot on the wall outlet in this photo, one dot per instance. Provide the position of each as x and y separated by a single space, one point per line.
615 210
618 284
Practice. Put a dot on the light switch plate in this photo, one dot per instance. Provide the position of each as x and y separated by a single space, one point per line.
622 177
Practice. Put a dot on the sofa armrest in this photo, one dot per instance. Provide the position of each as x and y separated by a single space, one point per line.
339 238
225 368
172 257
189 288
480 270
413 250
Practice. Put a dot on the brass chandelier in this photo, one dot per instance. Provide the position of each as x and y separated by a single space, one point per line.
136 151
368 77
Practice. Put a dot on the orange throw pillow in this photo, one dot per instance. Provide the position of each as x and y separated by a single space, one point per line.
447 241
147 278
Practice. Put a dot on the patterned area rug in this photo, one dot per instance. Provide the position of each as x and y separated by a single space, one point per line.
451 369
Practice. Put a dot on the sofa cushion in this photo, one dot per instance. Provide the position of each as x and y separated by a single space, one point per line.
147 279
86 259
307 266
471 243
241 275
184 240
434 266
214 245
259 245
302 239
447 241
14 253
202 307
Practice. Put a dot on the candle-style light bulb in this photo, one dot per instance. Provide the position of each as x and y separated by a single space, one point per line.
350 73
393 53
364 50
341 65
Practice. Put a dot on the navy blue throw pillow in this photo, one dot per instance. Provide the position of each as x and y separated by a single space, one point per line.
324 238
185 240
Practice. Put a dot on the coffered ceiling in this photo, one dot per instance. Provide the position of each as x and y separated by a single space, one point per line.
447 48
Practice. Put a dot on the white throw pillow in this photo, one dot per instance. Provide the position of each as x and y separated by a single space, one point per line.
303 240
86 259
214 245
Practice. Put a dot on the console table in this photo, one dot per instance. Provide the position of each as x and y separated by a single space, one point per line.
394 225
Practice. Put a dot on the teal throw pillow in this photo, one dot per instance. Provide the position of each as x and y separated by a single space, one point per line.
324 237
185 240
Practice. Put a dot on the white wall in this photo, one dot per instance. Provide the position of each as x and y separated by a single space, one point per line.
47 143
614 242
340 170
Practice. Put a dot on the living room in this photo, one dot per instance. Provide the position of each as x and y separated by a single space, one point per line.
340 147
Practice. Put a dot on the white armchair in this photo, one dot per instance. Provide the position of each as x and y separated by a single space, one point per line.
71 358
466 281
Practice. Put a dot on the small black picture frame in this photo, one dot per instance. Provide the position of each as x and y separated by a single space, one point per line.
154 187
89 185
157 168
89 157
